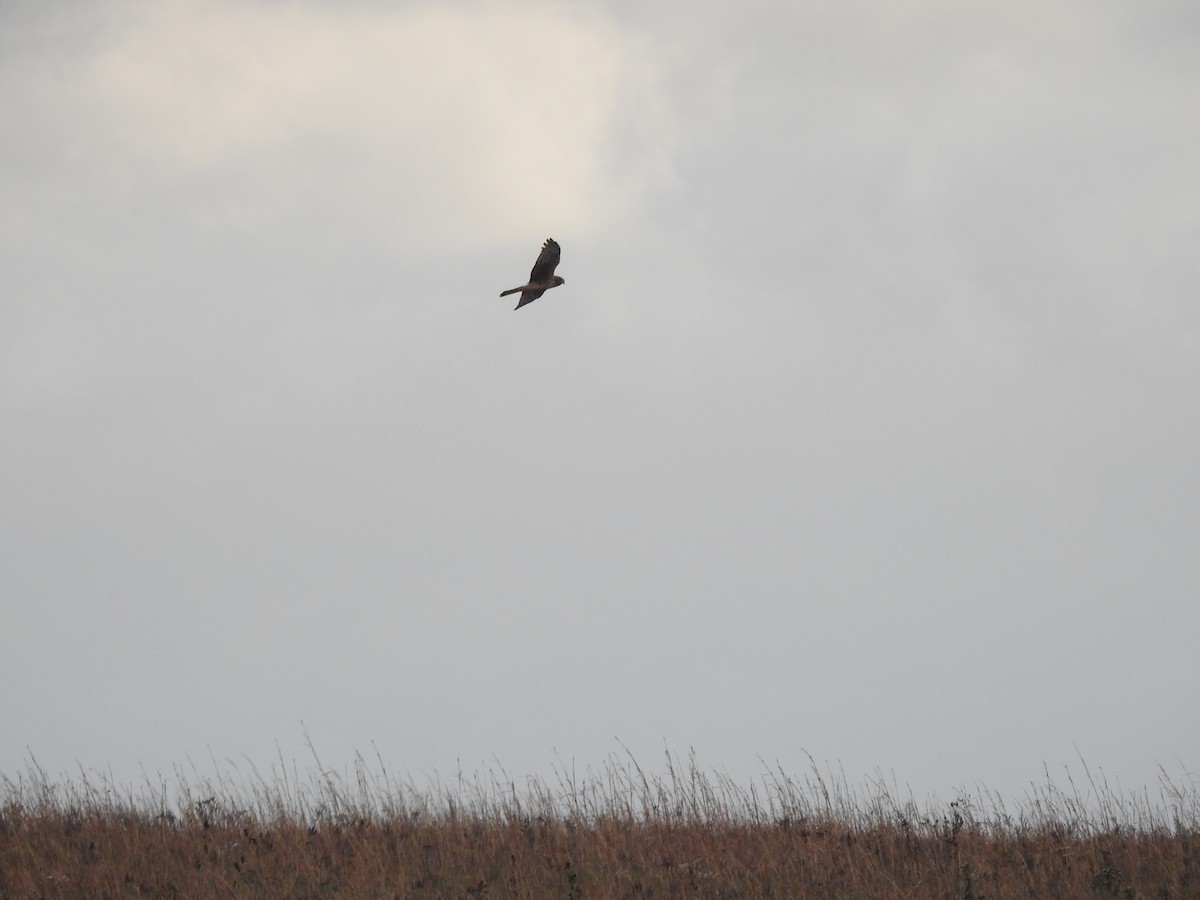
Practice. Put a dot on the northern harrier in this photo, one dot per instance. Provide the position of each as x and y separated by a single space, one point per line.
542 278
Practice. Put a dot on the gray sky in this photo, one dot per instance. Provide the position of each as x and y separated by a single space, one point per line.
864 426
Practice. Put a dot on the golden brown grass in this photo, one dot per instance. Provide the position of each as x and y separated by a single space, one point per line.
616 833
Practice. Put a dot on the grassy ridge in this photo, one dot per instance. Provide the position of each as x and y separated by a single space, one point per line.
617 833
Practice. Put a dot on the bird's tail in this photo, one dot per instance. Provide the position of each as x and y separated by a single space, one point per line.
510 291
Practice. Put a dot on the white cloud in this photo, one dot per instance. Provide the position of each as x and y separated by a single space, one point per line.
425 123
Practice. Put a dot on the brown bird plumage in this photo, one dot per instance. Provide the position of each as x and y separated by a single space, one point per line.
542 278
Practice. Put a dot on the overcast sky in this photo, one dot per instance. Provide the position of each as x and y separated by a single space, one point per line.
865 426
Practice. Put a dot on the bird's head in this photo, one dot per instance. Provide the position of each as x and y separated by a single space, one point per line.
558 279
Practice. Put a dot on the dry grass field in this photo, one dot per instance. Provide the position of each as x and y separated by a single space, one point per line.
614 833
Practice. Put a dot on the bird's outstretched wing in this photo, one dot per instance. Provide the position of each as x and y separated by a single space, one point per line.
547 262
528 297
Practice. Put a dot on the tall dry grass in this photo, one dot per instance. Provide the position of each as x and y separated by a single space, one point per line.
618 832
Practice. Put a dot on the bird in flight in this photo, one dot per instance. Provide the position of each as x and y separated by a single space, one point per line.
542 278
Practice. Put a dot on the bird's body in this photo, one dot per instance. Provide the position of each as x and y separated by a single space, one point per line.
542 278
